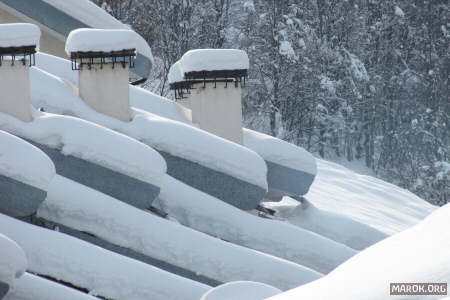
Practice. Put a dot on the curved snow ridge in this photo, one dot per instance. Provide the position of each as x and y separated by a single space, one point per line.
334 226
213 60
102 272
241 290
167 135
24 162
366 199
90 14
90 142
175 74
13 261
77 206
19 34
32 287
106 40
418 254
212 216
280 152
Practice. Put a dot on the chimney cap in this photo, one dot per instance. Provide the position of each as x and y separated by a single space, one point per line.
87 40
201 60
17 35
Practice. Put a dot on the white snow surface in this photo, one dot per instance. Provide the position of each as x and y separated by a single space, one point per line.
213 60
77 206
207 214
92 15
24 162
90 142
32 287
241 290
167 135
100 271
399 12
19 34
334 226
280 152
106 40
418 254
175 73
365 199
13 261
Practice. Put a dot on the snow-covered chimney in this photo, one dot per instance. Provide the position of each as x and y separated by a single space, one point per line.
18 43
209 81
103 59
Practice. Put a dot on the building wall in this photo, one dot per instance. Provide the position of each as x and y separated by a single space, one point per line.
50 43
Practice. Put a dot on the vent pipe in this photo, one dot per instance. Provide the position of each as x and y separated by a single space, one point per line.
209 82
103 59
18 43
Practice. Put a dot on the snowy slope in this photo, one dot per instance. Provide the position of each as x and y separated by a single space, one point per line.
100 271
24 162
77 206
241 290
418 254
32 287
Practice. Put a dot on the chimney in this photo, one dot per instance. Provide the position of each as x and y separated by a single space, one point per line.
209 81
103 59
18 43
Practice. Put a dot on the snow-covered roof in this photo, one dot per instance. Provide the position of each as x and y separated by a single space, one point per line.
19 34
418 254
90 142
24 162
106 40
241 290
213 60
13 261
173 137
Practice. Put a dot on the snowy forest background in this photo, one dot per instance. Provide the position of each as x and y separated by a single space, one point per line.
349 80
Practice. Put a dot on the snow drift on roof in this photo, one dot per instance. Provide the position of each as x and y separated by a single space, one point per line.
19 34
241 290
173 137
92 15
213 60
418 254
24 162
106 40
13 261
90 142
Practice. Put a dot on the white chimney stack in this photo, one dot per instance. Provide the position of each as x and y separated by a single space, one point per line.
209 81
17 48
103 59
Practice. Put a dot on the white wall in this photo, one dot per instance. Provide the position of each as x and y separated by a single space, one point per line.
217 110
15 90
106 90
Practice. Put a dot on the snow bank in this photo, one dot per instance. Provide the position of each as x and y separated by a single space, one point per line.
92 15
334 226
105 40
77 206
366 199
212 216
24 162
241 290
13 261
19 34
90 142
280 152
173 137
213 60
418 254
100 271
32 287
